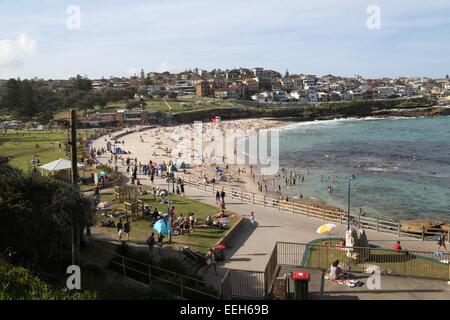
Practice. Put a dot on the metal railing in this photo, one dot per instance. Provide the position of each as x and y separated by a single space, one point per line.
242 284
186 287
420 264
337 216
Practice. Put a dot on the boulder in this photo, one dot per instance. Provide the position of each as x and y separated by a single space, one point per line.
416 226
445 227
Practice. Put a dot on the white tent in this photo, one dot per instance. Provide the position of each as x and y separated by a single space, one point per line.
60 164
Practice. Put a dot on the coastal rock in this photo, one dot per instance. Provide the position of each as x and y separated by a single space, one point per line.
445 227
417 226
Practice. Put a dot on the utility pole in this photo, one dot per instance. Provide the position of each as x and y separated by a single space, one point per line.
348 205
73 145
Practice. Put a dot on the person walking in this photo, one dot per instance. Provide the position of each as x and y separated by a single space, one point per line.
252 219
119 230
127 229
150 243
211 260
441 241
222 196
182 188
217 196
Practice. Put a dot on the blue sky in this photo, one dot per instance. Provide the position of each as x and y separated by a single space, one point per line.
304 36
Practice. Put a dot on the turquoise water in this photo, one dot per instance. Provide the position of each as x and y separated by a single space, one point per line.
402 166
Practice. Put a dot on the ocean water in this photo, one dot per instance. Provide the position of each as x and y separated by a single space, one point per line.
402 166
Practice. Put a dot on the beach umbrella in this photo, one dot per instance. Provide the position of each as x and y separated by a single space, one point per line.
103 174
162 227
326 228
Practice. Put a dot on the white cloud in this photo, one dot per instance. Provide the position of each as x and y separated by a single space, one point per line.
12 52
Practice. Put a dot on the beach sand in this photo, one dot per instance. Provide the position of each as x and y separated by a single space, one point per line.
175 144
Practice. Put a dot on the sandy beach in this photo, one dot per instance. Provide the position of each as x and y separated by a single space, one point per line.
176 145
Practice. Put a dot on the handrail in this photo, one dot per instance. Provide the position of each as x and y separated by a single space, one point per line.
125 258
338 215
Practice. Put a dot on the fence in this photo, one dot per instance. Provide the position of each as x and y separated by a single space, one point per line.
420 264
244 284
337 216
258 285
185 286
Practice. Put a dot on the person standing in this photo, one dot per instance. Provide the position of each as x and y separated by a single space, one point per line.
151 243
119 230
211 260
217 196
222 196
182 188
252 219
127 229
441 241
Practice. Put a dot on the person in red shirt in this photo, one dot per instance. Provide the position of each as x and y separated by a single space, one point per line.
397 246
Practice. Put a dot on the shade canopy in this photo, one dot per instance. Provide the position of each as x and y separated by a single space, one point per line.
60 164
326 228
162 227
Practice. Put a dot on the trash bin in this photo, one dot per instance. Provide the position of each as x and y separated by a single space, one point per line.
301 280
220 253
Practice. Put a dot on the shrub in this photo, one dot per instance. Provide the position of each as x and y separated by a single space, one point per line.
17 283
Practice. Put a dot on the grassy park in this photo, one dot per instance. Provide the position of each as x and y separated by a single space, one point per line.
199 240
24 145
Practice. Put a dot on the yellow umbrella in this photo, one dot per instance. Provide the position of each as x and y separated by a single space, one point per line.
326 228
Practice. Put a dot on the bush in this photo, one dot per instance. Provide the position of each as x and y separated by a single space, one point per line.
17 283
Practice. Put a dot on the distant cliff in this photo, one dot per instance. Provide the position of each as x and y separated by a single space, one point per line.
382 108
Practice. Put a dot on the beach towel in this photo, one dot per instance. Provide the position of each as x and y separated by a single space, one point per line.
352 283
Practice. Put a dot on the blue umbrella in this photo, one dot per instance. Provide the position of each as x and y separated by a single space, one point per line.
162 227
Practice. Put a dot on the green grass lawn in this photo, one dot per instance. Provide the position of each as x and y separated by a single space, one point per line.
390 261
20 145
200 239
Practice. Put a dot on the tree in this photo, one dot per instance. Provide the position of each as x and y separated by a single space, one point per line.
38 212
10 97
82 84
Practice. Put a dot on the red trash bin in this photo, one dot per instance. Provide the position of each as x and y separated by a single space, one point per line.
220 253
301 280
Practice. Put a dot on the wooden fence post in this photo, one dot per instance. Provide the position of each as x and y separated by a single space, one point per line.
253 198
398 226
378 224
265 206
423 233
293 209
